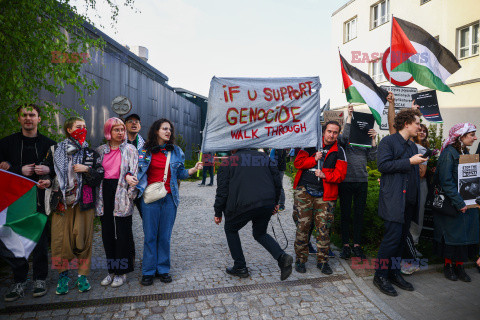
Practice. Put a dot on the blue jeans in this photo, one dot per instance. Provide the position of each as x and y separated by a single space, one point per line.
158 220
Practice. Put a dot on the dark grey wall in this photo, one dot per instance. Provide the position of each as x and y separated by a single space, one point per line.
119 72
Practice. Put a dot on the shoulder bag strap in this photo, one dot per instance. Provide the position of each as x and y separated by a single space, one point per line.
167 166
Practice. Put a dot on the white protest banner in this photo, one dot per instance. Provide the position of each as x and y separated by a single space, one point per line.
469 179
262 113
403 99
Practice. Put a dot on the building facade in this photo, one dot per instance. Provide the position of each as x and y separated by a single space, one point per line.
361 30
119 72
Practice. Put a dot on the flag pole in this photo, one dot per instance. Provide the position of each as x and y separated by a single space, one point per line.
391 54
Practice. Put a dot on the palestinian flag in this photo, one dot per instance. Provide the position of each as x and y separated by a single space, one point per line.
360 87
415 51
20 224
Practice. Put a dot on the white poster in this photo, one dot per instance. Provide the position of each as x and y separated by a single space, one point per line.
469 182
262 113
403 99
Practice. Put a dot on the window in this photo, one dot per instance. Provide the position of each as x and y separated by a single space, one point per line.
380 13
350 30
377 71
468 41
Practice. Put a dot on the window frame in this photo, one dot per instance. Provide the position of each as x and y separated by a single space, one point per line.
380 77
345 33
470 45
376 9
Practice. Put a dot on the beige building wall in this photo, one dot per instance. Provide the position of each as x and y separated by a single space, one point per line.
440 18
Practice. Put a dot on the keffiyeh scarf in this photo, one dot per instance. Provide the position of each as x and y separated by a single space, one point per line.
456 131
60 161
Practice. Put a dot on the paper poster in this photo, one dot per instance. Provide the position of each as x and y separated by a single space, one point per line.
469 182
262 113
403 99
428 103
333 116
361 123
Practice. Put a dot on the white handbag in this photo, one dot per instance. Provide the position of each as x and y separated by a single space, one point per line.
156 190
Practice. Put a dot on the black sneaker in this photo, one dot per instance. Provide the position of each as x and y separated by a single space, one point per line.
346 253
146 280
16 292
358 252
461 274
238 272
300 267
39 288
330 253
449 272
325 268
164 277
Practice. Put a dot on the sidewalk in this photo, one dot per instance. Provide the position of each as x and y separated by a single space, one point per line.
202 290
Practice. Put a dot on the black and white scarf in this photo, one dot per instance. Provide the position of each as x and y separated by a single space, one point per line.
66 148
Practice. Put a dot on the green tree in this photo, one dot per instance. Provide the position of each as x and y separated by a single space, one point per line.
43 46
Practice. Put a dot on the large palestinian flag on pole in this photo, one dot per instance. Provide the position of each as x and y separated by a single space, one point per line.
20 224
360 87
415 51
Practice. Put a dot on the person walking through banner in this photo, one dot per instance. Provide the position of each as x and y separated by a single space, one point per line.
456 237
115 201
160 161
248 189
23 153
75 173
315 193
354 187
398 161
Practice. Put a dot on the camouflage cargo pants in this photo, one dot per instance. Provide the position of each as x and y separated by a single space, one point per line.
308 210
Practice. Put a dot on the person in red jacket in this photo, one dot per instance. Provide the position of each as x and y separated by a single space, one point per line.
315 194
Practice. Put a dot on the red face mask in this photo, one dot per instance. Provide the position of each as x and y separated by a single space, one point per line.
79 135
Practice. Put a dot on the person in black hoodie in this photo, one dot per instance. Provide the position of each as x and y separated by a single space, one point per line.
248 189
22 153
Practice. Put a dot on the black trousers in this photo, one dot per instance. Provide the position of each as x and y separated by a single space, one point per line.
207 169
39 258
260 218
394 242
356 191
116 233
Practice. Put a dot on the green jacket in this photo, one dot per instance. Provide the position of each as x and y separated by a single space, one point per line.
464 228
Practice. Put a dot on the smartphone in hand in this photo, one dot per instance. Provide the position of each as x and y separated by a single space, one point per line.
427 154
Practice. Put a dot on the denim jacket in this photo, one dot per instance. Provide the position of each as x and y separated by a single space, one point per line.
177 170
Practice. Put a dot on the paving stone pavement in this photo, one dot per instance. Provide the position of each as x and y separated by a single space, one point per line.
200 287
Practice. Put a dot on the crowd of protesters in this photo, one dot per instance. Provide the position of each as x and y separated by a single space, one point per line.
77 182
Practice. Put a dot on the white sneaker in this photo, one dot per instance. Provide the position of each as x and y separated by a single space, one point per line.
119 280
108 280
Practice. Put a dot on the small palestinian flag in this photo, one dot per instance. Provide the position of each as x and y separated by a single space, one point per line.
20 224
415 51
360 87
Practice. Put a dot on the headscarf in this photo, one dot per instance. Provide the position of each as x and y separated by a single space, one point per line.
456 131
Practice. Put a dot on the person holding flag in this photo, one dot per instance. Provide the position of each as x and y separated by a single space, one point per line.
315 192
22 153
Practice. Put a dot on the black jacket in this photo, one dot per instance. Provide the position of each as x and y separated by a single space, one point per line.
11 151
281 157
249 180
394 164
92 178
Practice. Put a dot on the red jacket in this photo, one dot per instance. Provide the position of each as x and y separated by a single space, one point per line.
334 168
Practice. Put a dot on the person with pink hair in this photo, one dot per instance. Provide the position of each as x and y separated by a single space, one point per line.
115 201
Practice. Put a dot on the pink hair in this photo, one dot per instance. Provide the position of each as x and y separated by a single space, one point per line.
107 128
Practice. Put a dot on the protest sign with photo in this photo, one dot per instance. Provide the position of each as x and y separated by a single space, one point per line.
361 123
333 116
428 105
469 179
262 113
403 99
